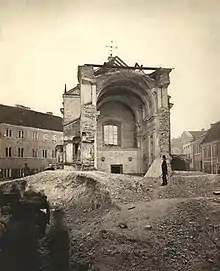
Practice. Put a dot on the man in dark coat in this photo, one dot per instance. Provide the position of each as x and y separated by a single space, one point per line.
164 171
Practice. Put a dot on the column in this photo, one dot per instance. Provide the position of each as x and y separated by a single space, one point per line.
88 119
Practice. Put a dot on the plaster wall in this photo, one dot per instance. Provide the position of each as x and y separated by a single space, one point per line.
72 108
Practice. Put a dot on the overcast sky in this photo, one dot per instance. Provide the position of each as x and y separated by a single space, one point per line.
43 41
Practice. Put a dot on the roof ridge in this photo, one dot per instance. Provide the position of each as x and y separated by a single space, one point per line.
32 110
30 118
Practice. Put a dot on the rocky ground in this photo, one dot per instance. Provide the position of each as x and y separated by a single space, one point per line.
126 223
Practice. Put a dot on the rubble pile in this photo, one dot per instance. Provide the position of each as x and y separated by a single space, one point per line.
119 222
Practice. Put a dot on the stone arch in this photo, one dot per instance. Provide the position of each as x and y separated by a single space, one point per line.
132 83
124 100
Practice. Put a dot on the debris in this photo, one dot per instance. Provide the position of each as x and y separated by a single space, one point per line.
148 227
123 225
216 193
172 223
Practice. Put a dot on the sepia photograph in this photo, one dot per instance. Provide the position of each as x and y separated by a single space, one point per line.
109 135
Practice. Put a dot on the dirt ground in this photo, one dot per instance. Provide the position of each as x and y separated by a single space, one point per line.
127 223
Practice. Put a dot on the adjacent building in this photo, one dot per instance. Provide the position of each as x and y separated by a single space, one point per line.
117 119
27 136
210 146
176 146
197 152
190 141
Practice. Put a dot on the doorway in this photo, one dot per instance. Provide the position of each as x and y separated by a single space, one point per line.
117 169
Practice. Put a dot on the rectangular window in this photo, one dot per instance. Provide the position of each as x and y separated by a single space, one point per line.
35 136
20 134
209 151
214 151
44 153
8 133
20 152
54 138
111 135
75 150
8 151
34 153
53 154
7 173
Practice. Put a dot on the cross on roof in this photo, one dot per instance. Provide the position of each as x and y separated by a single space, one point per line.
111 47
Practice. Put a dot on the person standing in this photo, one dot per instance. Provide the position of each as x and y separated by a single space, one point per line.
26 170
164 171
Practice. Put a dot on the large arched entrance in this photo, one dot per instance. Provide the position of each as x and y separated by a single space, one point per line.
124 101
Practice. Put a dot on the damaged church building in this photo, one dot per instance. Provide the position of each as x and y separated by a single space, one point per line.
117 118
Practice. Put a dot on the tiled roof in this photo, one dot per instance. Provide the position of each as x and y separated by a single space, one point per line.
196 134
213 133
29 118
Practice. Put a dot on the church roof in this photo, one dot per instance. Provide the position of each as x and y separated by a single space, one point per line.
73 91
113 62
29 118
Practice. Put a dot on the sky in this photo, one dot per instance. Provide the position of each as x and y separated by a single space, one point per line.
43 41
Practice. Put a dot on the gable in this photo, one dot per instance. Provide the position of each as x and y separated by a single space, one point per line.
73 91
186 138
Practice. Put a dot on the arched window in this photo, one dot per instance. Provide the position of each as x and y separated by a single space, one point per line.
111 135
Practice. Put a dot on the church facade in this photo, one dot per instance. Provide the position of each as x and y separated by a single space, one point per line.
117 118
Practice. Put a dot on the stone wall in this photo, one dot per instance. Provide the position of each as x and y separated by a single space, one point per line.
88 127
120 114
126 157
164 130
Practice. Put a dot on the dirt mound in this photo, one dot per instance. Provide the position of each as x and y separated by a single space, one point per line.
118 222
69 189
182 186
189 173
